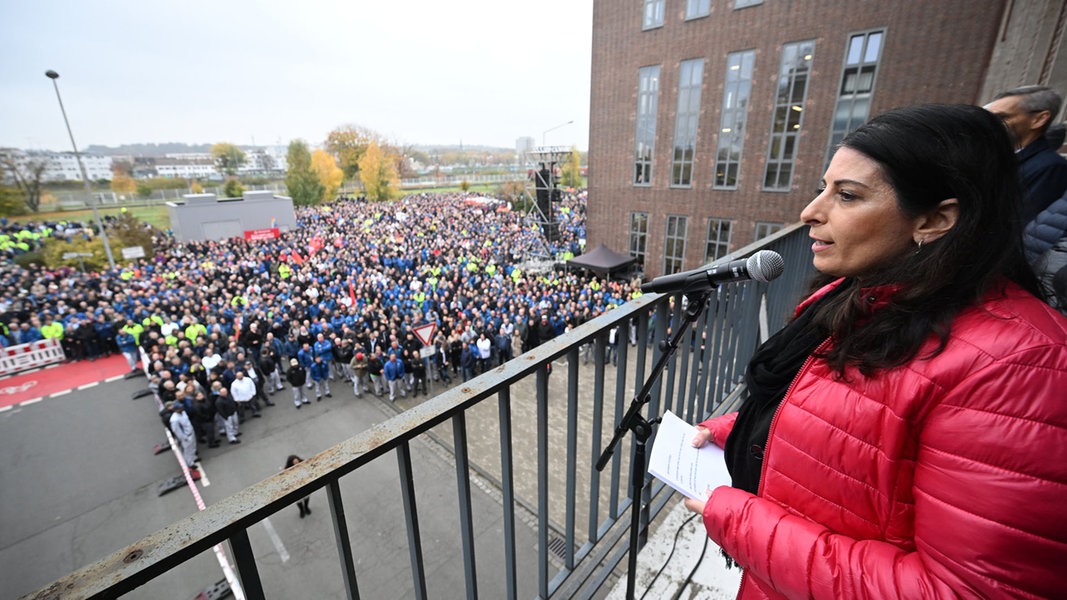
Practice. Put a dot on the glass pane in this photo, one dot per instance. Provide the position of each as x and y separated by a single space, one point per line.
770 179
859 112
790 142
800 85
775 150
865 81
748 60
784 173
855 50
874 45
841 115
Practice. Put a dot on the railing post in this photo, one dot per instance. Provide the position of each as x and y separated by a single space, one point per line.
507 484
463 483
542 480
245 562
411 515
344 543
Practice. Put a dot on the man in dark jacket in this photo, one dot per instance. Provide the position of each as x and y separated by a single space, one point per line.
297 376
1027 112
418 371
202 415
374 371
226 412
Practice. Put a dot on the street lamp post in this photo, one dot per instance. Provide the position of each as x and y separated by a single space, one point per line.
85 175
552 129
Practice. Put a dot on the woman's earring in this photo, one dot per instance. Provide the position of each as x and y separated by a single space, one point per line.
919 248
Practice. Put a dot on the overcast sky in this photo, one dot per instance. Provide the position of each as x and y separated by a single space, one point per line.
480 72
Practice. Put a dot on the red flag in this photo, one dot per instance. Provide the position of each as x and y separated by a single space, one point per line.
352 293
296 258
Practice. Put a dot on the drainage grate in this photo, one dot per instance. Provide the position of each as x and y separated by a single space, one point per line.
558 547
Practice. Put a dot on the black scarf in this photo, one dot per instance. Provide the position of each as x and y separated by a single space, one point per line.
768 377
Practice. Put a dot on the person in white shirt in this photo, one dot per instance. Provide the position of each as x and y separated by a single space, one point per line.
485 351
243 390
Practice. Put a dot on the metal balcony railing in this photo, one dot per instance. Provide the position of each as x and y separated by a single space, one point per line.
537 439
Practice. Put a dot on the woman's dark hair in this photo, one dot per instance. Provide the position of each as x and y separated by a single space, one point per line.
931 153
292 460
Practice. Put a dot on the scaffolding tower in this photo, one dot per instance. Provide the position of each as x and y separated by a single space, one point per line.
542 212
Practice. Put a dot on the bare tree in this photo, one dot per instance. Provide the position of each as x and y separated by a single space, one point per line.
27 175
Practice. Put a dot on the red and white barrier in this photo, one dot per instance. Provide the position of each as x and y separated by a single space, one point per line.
30 356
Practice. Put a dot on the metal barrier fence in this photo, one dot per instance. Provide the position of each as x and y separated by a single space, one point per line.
580 516
23 357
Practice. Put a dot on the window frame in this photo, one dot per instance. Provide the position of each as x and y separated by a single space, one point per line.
855 99
721 246
686 122
653 14
733 116
697 9
645 125
673 259
764 229
783 145
638 238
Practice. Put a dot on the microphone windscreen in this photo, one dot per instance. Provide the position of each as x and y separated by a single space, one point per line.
765 265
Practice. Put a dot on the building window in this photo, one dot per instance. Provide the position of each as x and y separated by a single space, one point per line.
745 3
764 229
788 114
674 244
718 244
653 14
734 113
694 9
638 237
857 84
690 78
645 138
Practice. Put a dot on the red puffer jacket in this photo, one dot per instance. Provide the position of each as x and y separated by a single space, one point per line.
944 478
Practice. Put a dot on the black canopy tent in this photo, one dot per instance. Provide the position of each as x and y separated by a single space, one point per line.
602 260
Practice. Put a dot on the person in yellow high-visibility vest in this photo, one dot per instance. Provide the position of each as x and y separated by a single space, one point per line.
52 329
133 328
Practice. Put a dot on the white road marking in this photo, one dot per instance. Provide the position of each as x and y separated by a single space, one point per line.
87 386
203 475
58 394
30 401
277 541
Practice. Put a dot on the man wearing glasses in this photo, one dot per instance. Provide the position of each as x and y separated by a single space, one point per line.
1027 112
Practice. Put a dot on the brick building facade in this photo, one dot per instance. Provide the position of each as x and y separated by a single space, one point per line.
711 121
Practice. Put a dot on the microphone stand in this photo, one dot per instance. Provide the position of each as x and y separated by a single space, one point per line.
642 429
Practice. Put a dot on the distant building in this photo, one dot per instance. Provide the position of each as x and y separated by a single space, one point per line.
187 168
712 121
62 166
264 161
524 145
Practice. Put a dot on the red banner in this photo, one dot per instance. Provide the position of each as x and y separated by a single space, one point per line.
263 234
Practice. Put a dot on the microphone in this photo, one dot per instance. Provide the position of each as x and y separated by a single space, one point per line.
762 266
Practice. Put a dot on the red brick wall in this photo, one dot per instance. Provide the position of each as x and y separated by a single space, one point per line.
932 52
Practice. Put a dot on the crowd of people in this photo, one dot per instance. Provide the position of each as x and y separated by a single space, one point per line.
224 325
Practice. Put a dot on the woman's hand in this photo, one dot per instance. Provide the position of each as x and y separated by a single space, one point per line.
703 435
696 506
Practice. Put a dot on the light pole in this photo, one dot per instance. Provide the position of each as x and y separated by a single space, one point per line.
553 129
85 175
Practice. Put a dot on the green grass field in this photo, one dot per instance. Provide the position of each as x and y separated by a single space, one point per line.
155 215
